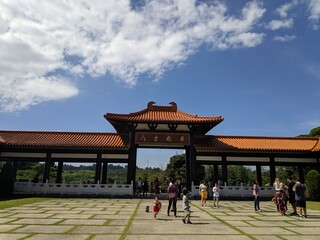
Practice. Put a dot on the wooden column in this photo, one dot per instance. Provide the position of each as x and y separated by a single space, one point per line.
188 176
192 161
216 172
15 169
132 163
272 171
97 177
104 172
47 166
259 175
301 174
59 172
224 170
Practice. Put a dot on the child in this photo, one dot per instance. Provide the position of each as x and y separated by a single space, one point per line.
216 195
156 207
186 207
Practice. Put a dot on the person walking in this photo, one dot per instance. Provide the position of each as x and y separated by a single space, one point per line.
172 197
216 195
203 191
256 193
300 198
186 207
156 207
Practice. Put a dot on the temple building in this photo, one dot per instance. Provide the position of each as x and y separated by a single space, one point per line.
158 127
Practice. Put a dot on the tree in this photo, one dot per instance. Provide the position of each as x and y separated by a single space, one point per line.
313 184
315 132
238 175
176 168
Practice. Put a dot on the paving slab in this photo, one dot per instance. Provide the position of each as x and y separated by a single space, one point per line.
36 221
109 237
44 229
99 229
266 230
176 226
184 237
13 236
6 220
307 230
83 222
58 236
81 218
72 216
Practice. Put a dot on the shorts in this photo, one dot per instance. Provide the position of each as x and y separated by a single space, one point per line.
187 211
301 203
204 195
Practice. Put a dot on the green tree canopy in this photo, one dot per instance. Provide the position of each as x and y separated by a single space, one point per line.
315 132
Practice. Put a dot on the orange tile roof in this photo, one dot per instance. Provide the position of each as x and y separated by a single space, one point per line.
113 141
317 147
162 114
79 140
261 144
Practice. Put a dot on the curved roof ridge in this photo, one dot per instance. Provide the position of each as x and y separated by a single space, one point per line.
79 140
263 137
254 143
316 147
56 131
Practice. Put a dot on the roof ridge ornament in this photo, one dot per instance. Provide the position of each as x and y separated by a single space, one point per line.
152 107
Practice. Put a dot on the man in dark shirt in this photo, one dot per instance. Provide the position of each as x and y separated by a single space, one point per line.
300 197
291 196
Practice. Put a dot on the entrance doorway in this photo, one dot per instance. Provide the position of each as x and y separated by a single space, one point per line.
151 169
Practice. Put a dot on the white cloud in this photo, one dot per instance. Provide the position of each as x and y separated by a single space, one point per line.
277 24
314 9
285 38
284 9
31 91
40 38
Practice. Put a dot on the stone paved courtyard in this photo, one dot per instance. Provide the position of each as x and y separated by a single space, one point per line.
78 218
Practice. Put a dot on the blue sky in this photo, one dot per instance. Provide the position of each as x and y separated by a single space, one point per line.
64 64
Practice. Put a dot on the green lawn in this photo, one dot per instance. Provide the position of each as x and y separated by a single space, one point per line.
313 205
7 203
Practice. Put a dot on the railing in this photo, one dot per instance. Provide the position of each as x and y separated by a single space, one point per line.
73 188
125 189
235 191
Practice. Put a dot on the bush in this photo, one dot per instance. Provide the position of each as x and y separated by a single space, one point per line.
313 180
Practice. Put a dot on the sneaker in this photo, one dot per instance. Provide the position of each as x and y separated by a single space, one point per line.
293 214
189 222
184 221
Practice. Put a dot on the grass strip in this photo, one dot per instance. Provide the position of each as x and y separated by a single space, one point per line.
8 203
313 205
126 230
